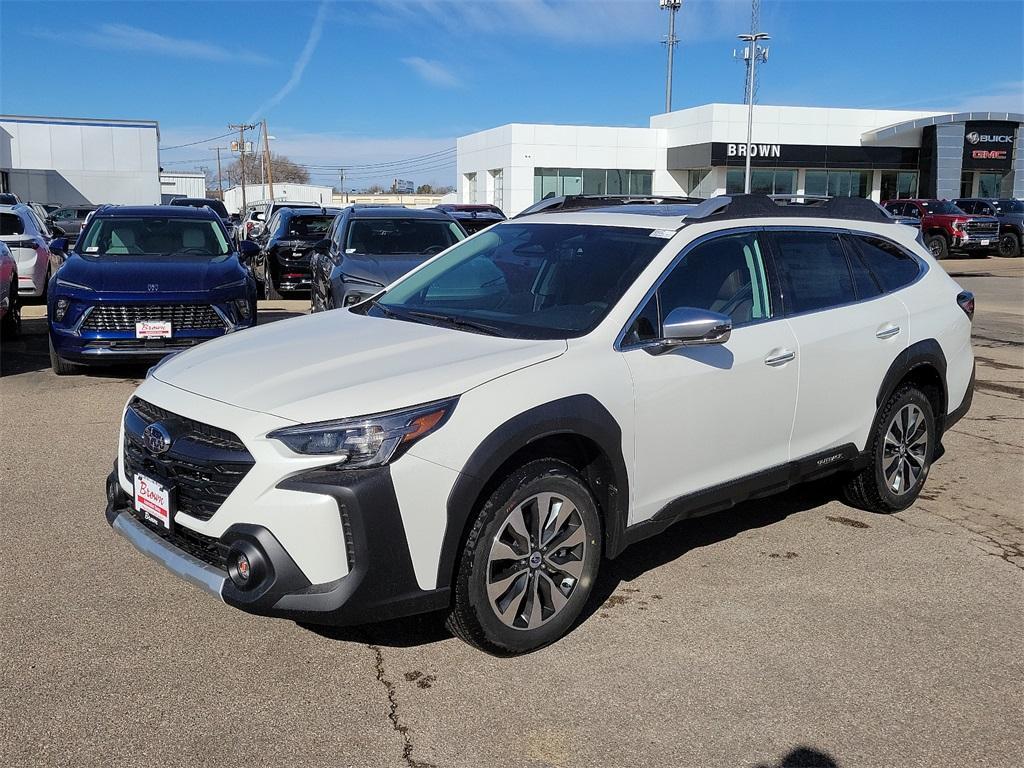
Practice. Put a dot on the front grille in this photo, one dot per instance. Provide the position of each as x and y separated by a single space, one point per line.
203 466
123 317
205 548
982 228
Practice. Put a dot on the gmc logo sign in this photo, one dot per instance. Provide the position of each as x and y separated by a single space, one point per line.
989 154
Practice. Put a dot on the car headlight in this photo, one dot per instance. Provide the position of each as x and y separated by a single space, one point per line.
367 441
60 309
242 308
359 280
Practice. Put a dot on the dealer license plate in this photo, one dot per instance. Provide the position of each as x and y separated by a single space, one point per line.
153 499
153 329
984 242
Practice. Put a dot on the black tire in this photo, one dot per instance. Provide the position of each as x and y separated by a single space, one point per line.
60 366
1009 246
10 326
938 245
270 291
869 488
472 617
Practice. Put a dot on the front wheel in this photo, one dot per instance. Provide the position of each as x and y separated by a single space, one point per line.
1009 246
10 326
938 245
901 449
529 562
60 366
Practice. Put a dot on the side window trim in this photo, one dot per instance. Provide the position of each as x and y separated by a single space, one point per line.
767 257
922 266
853 254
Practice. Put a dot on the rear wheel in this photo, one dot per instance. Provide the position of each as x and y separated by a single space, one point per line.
270 291
938 245
901 449
529 562
60 366
1009 246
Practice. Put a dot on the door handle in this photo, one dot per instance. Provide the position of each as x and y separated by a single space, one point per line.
779 357
887 331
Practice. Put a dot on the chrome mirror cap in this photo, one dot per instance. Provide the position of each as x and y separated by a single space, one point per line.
688 326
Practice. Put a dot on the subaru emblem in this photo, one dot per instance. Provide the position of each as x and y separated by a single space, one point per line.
156 438
152 287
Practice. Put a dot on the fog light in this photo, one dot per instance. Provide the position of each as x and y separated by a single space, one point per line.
246 565
242 307
60 309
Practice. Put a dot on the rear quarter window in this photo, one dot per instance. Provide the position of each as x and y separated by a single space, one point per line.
892 267
814 272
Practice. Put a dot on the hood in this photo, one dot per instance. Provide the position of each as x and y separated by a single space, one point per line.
337 364
135 274
381 269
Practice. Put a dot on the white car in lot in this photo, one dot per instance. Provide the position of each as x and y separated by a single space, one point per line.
29 245
478 437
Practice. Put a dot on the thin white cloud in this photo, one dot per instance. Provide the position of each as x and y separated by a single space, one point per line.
315 32
433 72
125 37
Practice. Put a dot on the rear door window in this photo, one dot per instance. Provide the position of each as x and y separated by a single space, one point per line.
892 267
813 269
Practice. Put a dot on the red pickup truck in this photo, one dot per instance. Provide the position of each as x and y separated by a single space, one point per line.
944 227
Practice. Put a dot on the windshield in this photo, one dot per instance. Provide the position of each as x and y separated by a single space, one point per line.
533 281
153 236
942 207
1010 206
384 237
308 227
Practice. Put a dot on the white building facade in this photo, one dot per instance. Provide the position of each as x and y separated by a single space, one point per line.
701 152
181 184
258 193
73 161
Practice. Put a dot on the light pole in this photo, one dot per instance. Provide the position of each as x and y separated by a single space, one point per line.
671 41
754 52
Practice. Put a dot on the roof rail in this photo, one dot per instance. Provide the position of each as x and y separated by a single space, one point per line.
580 202
807 206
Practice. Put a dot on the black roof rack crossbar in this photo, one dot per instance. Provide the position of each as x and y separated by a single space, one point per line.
806 206
581 202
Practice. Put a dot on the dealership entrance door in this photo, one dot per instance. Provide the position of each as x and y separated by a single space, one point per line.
986 184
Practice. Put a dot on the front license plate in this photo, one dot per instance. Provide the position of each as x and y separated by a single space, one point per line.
153 329
153 499
984 242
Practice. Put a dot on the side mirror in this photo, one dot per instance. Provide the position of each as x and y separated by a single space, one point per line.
58 231
247 250
687 326
322 246
59 244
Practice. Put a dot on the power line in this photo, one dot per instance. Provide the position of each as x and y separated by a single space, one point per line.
201 141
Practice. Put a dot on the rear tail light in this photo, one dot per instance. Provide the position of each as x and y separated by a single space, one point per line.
966 301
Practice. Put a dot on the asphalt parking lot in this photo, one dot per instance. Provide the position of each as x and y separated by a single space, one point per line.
789 631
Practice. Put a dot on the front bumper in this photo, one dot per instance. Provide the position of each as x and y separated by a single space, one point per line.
974 243
380 583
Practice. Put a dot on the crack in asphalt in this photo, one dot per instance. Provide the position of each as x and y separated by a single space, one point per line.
393 717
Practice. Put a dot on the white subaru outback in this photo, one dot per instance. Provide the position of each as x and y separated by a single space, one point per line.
482 433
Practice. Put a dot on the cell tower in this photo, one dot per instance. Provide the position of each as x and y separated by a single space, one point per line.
670 41
750 83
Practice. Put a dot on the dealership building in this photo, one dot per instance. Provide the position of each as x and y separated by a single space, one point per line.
701 152
75 161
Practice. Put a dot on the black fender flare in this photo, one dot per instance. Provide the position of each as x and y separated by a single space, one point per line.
580 415
927 352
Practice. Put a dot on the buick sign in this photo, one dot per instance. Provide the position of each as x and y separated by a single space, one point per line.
156 438
978 138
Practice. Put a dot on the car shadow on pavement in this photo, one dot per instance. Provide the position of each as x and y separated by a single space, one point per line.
803 757
644 556
29 352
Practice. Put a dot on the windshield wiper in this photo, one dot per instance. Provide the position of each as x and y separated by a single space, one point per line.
456 322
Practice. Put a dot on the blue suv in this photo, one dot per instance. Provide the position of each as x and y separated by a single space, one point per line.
146 281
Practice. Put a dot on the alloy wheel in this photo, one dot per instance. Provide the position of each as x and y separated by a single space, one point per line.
905 451
536 560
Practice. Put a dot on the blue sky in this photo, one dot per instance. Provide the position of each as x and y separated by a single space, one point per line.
359 82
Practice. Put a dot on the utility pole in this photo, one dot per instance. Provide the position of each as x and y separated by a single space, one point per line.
343 190
671 41
241 154
266 155
220 177
755 52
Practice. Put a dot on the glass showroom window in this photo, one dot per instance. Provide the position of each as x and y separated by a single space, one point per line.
766 181
549 182
899 185
990 184
696 182
470 187
498 187
838 183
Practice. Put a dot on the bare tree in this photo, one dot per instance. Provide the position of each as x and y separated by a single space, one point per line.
285 170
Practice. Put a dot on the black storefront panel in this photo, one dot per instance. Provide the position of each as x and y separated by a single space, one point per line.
988 145
765 155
